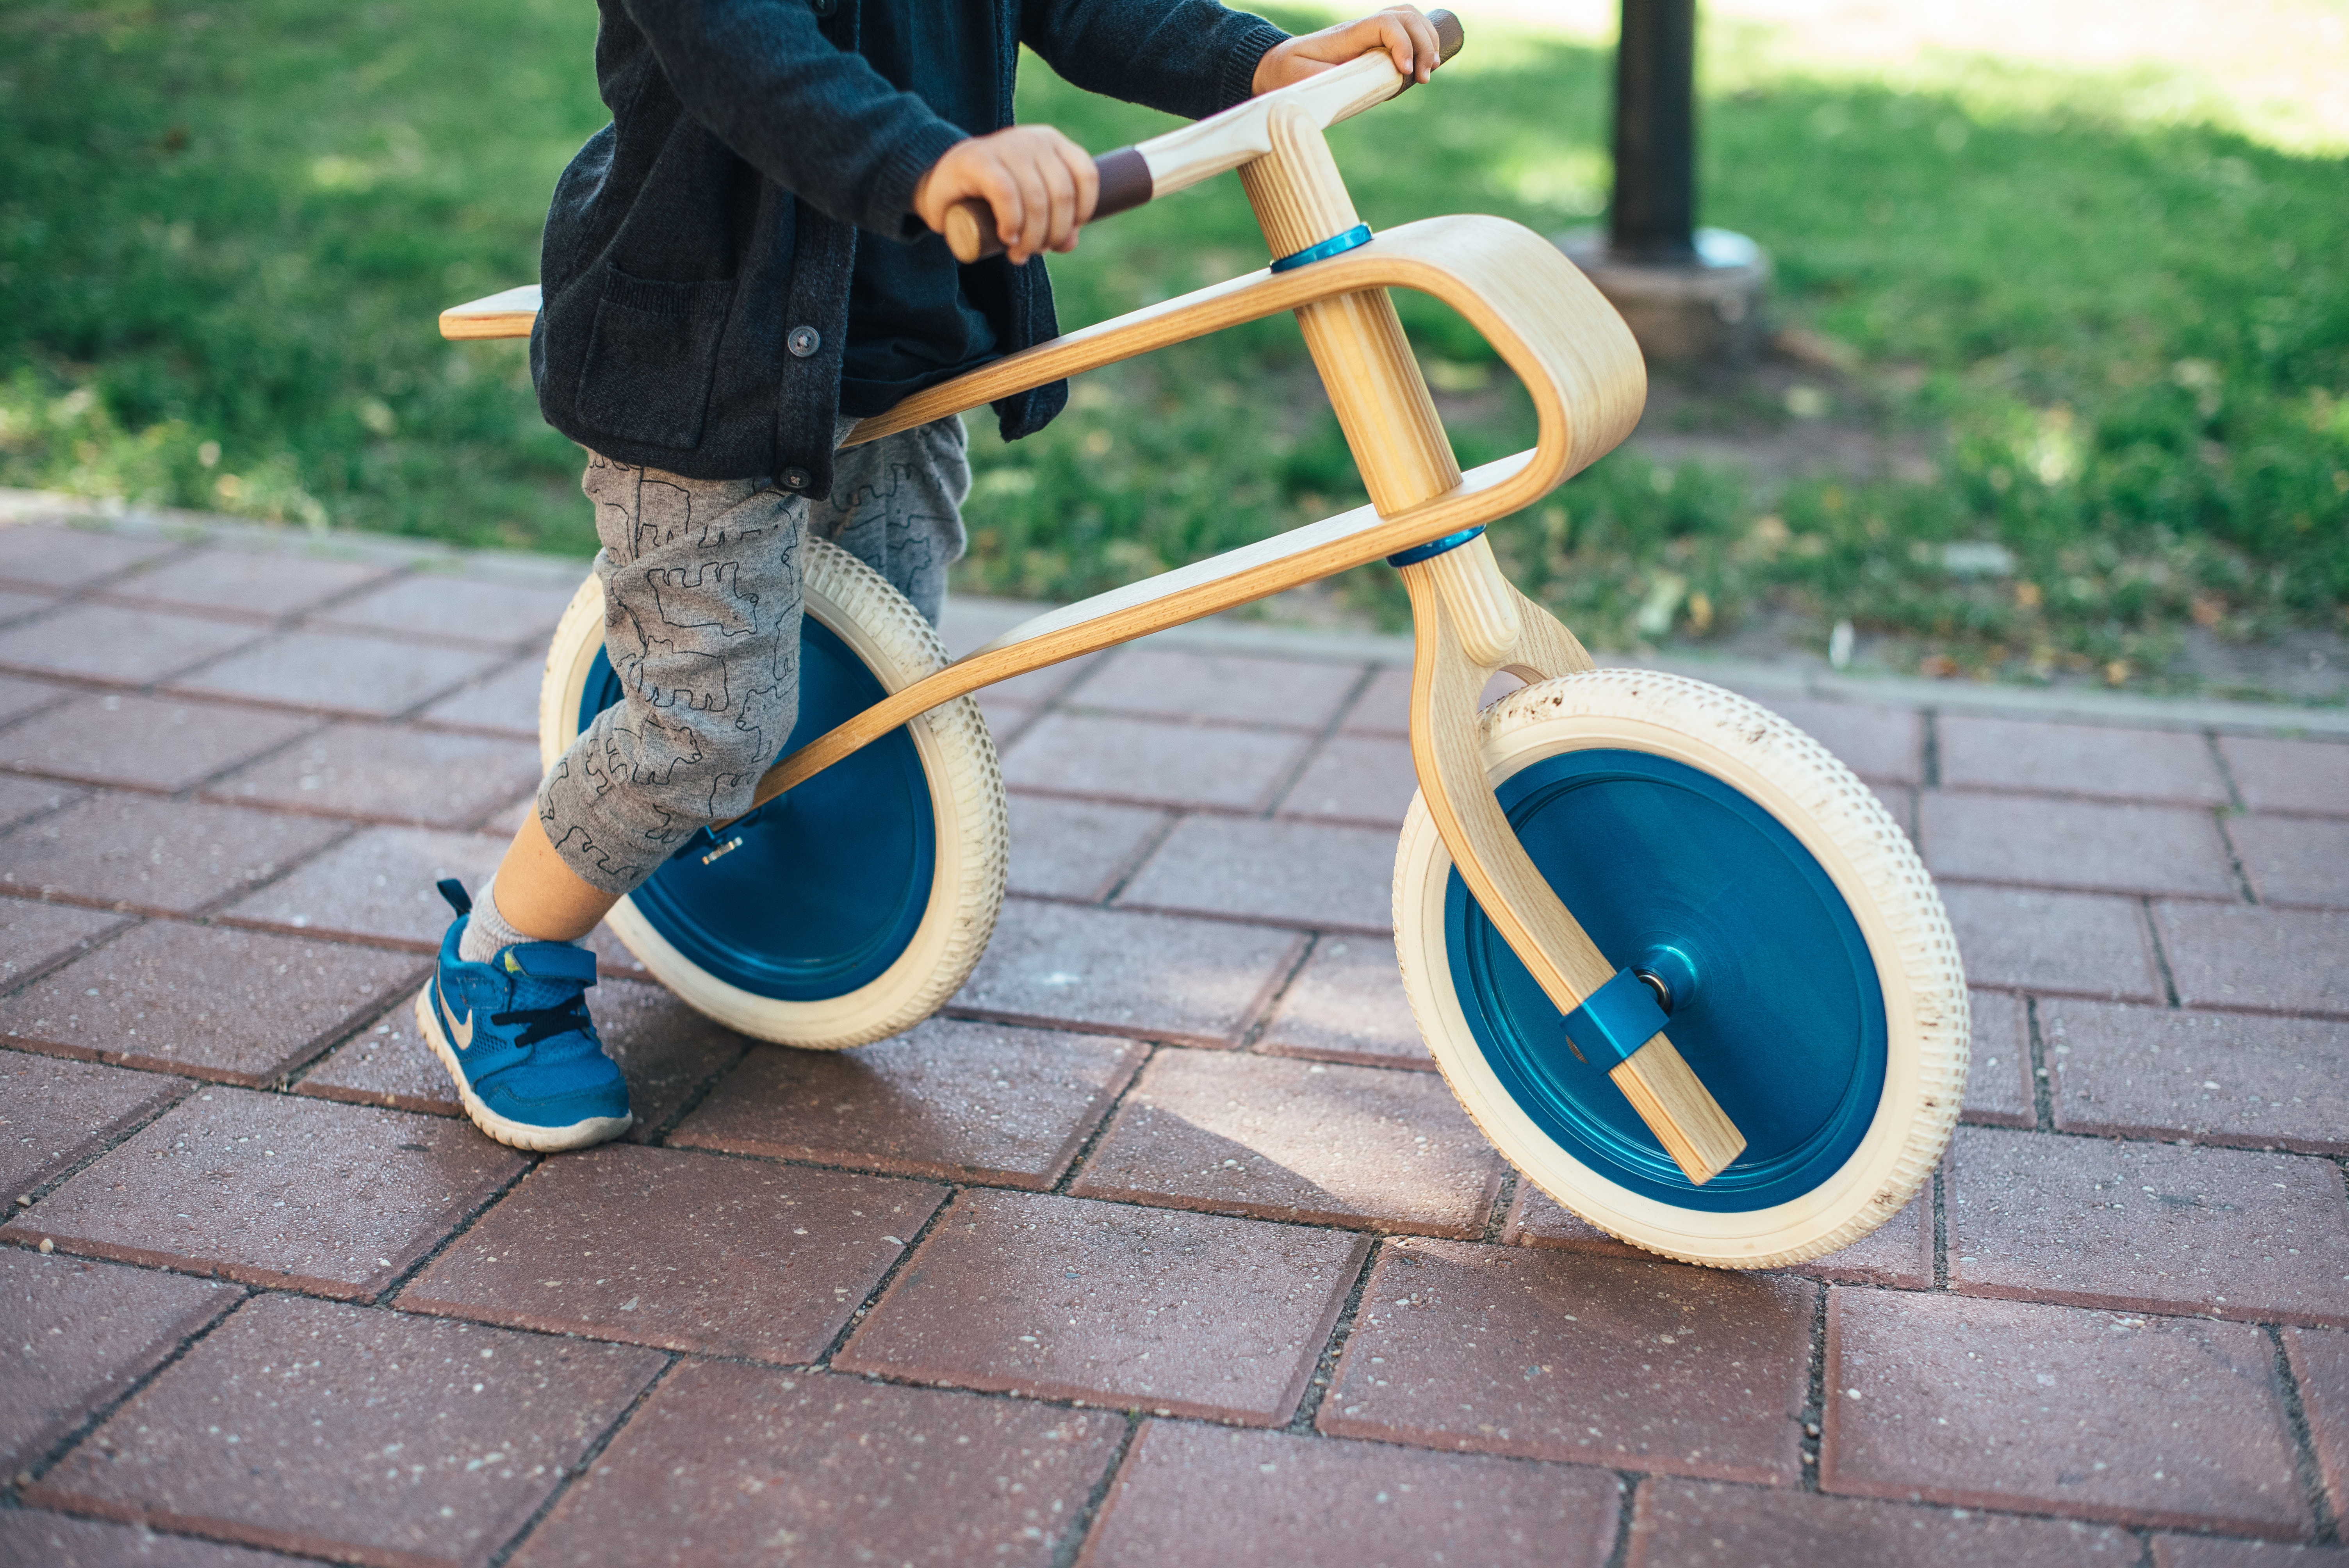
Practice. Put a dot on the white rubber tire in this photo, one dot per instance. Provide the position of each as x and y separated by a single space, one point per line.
857 605
1872 865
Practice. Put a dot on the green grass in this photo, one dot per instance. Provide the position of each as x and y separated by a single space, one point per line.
2116 345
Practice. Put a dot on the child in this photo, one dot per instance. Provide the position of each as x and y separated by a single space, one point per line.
743 264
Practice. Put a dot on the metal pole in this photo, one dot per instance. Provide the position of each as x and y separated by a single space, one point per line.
1654 215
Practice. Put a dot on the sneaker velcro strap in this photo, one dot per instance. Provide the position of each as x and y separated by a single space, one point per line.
552 961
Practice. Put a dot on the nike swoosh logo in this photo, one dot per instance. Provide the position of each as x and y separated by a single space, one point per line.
462 1034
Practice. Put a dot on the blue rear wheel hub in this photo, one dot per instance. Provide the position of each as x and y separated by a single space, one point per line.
817 893
1786 1023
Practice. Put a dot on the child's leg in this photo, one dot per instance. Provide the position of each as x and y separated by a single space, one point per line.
896 505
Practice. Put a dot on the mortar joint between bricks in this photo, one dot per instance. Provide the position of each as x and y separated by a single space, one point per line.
131 1389
2226 774
2043 1092
1324 1376
1627 1508
1077 1162
1812 1427
2160 955
1089 1512
2311 1472
1929 763
594 1450
856 1318
1941 1226
1321 739
1262 1022
465 1223
1496 1219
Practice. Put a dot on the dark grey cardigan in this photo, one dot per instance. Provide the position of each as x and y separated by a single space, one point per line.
697 258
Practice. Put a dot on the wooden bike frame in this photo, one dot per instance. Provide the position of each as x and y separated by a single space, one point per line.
1588 382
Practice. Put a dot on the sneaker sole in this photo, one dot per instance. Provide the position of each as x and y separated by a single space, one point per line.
513 1134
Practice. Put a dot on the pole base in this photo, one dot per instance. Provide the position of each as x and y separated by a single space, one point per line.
1704 311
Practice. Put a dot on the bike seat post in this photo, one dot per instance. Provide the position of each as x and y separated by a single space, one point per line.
1373 381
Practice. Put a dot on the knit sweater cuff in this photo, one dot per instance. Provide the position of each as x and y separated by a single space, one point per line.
892 189
1238 82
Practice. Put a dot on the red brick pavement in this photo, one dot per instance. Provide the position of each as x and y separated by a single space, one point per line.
1017 1286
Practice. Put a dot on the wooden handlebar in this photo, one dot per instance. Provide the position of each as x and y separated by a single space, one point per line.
1241 134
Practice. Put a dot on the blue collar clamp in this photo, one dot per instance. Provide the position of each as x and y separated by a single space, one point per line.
1434 548
1614 1021
1335 246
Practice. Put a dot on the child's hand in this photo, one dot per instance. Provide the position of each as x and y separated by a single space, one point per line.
1040 185
1408 38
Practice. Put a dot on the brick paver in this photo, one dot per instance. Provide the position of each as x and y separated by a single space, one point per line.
2294 860
1685 1524
1284 1140
1170 683
1882 745
338 1199
1153 764
1195 1496
72 557
948 1099
35 936
144 742
389 775
2078 759
23 798
2065 942
365 676
19 697
1363 779
1164 978
502 702
1347 1004
2217 1078
2091 846
1078 848
116 646
335 1431
2320 1365
54 1114
1898 1253
133 852
377 886
1298 874
1067 1298
2052 1409
1998 1077
55 1541
440 607
727 1465
2260 960
2311 776
2209 1552
237 1007
2148 1227
664 1050
684 1251
265 587
1634 1364
2152 921
79 1334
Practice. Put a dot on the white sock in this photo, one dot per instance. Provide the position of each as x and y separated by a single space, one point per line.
488 930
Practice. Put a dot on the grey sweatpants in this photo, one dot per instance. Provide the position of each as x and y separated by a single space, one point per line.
702 591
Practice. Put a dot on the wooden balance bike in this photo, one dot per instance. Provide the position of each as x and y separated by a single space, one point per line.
1677 962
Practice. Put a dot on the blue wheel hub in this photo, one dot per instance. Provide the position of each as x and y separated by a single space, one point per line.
816 893
1785 1023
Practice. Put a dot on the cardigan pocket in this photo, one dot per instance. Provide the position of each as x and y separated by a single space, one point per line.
652 355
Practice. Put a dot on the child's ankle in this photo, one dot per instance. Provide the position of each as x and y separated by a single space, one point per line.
487 930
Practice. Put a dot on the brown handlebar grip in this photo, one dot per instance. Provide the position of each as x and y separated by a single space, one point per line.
1125 177
1448 35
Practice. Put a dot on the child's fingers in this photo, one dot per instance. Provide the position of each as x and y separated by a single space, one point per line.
1426 48
1035 210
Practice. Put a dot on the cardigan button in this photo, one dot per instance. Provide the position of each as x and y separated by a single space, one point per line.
797 478
803 341
824 7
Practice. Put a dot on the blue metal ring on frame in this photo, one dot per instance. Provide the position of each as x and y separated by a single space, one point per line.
819 892
1434 547
1788 1028
1335 246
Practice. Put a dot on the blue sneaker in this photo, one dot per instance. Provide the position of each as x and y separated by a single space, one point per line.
515 1034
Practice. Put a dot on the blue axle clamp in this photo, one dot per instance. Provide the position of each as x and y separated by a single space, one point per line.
1614 1021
